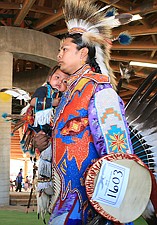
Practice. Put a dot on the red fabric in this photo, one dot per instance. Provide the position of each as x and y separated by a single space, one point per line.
153 196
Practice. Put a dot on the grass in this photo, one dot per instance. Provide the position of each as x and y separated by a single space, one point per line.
14 217
8 217
140 221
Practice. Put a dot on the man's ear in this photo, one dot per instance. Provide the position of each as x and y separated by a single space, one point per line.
84 53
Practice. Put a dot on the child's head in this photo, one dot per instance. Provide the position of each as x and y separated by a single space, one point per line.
58 79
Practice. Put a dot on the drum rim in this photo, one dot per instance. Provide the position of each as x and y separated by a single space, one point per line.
92 174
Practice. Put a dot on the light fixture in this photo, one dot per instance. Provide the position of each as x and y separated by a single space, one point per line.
136 17
134 63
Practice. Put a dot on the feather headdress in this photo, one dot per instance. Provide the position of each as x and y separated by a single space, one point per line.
95 24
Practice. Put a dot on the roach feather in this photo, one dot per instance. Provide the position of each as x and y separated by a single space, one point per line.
141 113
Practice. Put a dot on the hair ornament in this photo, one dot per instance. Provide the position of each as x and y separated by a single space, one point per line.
124 38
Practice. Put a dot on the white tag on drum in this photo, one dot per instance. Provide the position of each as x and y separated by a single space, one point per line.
111 184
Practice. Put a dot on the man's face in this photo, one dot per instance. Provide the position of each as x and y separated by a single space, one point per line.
69 57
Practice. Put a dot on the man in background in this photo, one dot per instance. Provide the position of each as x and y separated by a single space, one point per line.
19 181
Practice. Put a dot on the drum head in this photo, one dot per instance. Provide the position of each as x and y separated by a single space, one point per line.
137 192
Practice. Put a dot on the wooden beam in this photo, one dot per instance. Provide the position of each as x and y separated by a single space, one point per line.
10 5
129 87
134 8
126 93
23 12
135 30
46 21
16 153
61 3
155 42
16 156
137 46
16 146
128 58
137 73
40 3
42 9
125 5
34 8
59 31
145 8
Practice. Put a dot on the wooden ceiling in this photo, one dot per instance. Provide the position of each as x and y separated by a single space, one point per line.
47 16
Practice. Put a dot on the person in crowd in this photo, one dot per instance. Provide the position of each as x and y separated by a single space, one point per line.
12 185
27 184
19 179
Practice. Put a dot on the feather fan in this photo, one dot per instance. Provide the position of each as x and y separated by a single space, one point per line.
141 113
17 93
24 120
